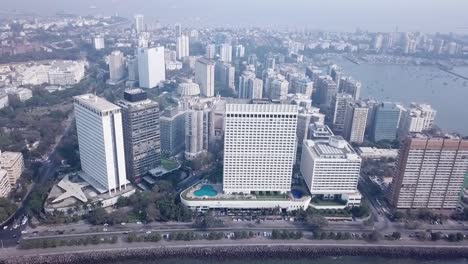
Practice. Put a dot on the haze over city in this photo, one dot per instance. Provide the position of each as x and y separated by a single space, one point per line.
335 15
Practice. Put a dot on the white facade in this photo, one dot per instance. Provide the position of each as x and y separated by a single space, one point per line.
116 66
139 23
210 52
101 144
182 47
225 53
205 76
99 43
5 187
259 147
355 122
418 118
197 130
151 66
250 87
278 89
330 167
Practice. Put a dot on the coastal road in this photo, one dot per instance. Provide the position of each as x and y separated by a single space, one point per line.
225 243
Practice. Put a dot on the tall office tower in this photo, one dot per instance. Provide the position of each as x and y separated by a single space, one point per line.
225 53
451 48
139 23
210 51
388 41
143 40
378 42
132 68
278 88
335 73
172 123
224 75
372 105
250 87
13 164
417 118
204 76
430 172
351 87
182 47
99 43
141 133
355 122
239 51
270 62
340 103
326 90
101 143
197 130
116 66
387 116
178 30
319 167
259 147
151 66
303 86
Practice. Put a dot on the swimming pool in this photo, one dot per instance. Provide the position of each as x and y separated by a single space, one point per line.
297 194
205 190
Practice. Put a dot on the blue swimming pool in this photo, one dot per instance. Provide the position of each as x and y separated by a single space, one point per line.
297 193
206 190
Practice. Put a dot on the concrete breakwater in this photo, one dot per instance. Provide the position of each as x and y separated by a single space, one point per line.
247 252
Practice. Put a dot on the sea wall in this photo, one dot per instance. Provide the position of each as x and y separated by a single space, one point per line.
251 252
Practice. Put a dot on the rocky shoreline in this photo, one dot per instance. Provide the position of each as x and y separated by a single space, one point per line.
246 252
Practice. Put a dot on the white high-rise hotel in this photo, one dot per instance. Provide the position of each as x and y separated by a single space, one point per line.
259 147
100 139
182 47
205 76
330 167
151 66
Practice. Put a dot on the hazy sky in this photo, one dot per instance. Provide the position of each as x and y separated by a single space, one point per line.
341 15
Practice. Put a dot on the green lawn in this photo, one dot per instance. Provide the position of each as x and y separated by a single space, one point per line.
169 164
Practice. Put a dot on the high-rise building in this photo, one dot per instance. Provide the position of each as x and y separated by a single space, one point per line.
151 66
335 74
278 88
326 89
210 52
178 29
225 53
340 103
355 122
139 23
13 164
205 76
141 133
304 86
430 172
182 47
239 51
132 68
387 117
172 132
330 167
197 130
250 87
224 75
417 118
352 87
116 66
100 139
99 43
259 147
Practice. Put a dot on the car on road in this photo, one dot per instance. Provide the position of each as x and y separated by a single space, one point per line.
5 227
138 223
123 223
24 232
148 232
15 226
104 229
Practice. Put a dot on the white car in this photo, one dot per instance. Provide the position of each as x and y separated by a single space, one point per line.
138 223
105 229
5 227
148 232
24 232
123 223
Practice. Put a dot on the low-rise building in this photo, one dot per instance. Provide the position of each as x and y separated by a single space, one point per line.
13 164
